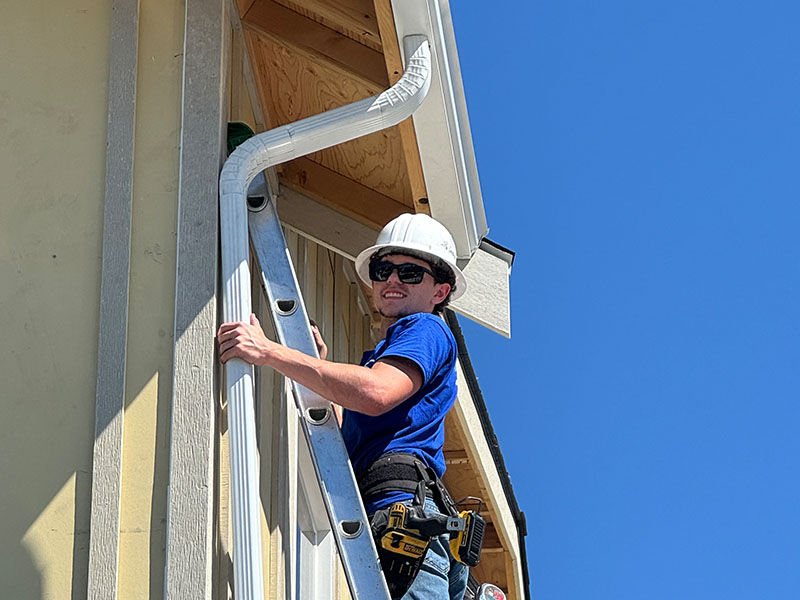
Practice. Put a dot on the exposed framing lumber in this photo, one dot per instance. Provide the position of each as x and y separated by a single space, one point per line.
308 36
247 69
242 6
354 18
360 202
408 137
455 457
190 505
236 77
113 320
491 541
261 118
322 224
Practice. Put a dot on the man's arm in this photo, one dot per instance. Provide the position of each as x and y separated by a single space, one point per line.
372 391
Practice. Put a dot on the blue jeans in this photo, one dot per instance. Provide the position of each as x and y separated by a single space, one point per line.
441 576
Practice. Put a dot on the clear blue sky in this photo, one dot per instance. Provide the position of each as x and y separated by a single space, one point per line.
643 160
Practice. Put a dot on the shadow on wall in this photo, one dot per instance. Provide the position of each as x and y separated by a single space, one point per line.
46 501
20 576
47 384
47 369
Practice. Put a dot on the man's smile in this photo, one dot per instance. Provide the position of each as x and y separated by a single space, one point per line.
393 294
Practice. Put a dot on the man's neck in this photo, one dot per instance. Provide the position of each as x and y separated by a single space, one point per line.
387 322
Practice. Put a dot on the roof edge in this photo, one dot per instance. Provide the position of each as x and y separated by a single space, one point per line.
442 127
491 438
501 252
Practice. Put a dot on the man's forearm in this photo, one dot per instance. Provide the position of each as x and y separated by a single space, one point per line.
372 391
351 386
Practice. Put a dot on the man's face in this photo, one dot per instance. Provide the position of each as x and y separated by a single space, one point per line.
395 299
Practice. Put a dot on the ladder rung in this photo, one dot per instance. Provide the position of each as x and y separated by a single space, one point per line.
328 453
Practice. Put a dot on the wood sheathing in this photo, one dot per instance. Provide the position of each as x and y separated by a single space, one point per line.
312 56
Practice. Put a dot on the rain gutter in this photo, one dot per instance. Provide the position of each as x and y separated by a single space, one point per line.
442 128
252 157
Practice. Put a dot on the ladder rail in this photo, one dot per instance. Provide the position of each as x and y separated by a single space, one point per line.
329 456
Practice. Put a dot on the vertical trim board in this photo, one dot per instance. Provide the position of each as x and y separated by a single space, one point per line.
113 319
190 503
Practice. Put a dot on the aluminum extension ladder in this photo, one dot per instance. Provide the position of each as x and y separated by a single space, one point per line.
328 453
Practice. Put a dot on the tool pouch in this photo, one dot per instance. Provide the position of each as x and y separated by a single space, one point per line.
402 533
401 551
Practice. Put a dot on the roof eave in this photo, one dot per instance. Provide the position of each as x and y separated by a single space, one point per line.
442 127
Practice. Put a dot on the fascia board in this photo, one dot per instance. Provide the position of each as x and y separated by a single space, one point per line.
441 124
478 450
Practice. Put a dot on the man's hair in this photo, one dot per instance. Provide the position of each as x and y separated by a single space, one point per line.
442 273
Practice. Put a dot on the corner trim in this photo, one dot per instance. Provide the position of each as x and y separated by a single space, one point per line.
191 497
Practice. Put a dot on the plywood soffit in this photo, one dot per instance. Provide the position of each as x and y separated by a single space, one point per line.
309 57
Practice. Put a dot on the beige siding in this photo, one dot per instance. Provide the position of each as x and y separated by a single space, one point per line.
53 115
53 75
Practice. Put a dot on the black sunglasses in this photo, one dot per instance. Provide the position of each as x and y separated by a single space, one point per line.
406 272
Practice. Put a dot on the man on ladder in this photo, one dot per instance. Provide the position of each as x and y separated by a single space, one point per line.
395 403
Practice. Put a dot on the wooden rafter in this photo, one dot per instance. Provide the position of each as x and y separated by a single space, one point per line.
305 35
353 18
243 6
360 202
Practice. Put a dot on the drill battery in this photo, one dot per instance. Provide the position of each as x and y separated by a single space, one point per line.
466 544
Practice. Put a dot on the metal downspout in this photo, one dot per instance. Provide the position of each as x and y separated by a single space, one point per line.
253 156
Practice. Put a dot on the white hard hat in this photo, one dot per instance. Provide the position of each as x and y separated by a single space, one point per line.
417 235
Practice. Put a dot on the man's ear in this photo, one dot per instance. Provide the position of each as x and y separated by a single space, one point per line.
442 289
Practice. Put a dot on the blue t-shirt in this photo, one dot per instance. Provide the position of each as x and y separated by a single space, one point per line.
415 426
